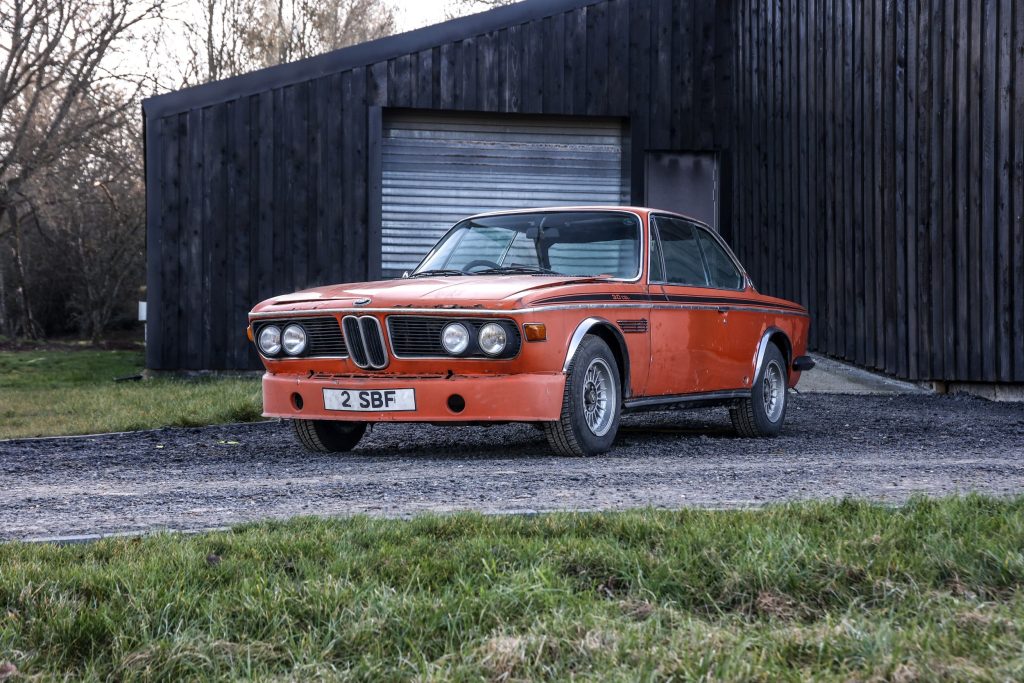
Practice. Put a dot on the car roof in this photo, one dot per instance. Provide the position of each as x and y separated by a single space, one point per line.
641 210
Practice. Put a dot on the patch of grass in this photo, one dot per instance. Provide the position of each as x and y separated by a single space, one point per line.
47 369
50 393
826 591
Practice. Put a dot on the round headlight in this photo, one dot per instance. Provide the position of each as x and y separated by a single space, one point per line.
455 338
294 340
492 339
270 340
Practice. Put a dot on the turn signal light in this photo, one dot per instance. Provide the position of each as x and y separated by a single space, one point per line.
535 331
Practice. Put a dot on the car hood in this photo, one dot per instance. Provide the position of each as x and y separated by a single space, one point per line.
471 291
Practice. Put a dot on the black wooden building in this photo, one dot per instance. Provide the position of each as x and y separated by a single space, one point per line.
863 158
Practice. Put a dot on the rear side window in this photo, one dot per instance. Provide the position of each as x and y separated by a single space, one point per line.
722 272
683 263
657 271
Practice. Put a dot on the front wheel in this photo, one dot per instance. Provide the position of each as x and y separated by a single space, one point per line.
591 404
328 436
764 412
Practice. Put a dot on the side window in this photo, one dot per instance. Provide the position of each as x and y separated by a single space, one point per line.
657 269
721 269
683 263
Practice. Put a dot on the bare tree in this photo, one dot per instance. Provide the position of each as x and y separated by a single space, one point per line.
57 95
53 56
90 206
459 8
230 37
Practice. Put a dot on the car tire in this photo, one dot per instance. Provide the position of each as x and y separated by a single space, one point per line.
591 404
764 413
328 436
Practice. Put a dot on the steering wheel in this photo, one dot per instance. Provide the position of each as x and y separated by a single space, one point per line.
477 263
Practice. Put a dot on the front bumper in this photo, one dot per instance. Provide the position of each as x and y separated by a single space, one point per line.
534 397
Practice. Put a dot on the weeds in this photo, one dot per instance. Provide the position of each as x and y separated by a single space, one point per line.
829 591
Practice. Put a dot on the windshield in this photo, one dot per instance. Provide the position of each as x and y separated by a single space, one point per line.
579 243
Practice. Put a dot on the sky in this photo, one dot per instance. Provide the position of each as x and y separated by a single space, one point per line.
413 14
139 57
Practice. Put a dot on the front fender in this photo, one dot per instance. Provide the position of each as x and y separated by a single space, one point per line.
612 336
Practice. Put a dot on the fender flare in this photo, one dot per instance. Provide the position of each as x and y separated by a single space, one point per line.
762 346
577 338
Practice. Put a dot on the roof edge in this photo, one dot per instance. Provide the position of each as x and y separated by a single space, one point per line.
354 56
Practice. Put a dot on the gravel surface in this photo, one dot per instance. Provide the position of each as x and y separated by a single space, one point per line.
884 448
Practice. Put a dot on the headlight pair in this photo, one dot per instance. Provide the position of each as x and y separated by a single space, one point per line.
272 340
492 338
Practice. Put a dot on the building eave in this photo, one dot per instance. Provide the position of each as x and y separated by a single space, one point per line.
355 56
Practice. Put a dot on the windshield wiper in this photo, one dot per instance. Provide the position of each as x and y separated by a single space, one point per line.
439 271
517 269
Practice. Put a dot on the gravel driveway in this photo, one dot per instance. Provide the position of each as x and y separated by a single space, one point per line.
880 447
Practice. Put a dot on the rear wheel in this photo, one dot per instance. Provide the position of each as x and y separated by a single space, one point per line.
765 411
591 404
328 436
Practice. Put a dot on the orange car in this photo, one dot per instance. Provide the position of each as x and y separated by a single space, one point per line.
563 317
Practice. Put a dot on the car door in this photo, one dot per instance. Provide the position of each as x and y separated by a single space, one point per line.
744 324
689 328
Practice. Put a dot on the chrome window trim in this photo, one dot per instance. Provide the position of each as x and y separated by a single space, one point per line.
493 214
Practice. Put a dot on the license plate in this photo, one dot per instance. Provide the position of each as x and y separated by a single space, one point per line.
370 400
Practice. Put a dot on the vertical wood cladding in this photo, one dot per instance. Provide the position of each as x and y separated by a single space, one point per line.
267 191
880 181
872 161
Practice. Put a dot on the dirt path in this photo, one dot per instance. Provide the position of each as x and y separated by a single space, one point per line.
880 447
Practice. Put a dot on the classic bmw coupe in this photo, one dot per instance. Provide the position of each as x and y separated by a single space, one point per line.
565 318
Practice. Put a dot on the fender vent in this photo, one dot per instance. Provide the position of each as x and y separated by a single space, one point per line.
633 326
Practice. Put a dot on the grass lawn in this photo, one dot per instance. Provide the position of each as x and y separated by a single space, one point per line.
827 591
48 393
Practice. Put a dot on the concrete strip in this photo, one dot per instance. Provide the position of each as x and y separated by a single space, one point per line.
831 376
1010 393
133 432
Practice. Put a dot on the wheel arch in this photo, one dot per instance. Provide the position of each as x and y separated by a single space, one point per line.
607 332
773 335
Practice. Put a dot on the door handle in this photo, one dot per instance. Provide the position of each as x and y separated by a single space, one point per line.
723 309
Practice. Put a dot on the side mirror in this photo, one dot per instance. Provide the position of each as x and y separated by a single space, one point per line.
405 274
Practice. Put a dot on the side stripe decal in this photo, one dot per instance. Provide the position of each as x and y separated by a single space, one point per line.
668 298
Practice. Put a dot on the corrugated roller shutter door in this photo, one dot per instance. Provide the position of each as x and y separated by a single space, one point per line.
438 170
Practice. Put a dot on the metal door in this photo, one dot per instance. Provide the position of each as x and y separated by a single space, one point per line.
685 183
438 169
